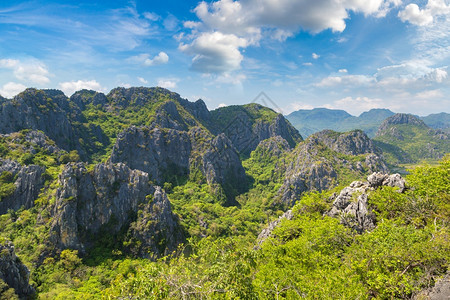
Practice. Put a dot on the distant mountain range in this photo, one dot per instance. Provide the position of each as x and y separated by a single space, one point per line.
308 122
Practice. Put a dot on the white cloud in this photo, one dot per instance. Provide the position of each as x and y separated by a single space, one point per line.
231 78
346 80
161 58
222 105
11 89
315 56
32 70
356 105
151 16
144 58
215 52
430 94
227 26
409 75
167 83
307 64
421 17
343 71
142 80
71 87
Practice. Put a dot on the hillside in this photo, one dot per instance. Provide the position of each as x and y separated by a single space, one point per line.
140 193
405 138
308 122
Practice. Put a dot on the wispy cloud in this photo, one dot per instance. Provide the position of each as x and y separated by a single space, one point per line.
113 30
31 70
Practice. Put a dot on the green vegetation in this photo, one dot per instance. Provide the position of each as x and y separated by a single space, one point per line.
406 143
311 256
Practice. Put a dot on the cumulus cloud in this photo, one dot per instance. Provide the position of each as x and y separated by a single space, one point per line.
167 83
421 17
70 87
142 80
343 71
235 25
32 71
315 56
11 89
215 52
144 58
161 58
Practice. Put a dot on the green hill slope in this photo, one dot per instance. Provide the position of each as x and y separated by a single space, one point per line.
405 139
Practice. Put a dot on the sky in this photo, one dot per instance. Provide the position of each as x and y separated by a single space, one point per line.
341 54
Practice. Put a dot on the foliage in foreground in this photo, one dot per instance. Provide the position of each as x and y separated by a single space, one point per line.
311 256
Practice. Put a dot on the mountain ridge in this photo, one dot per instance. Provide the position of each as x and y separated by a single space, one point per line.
317 119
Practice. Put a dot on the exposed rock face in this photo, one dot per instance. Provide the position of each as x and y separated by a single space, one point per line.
267 232
440 291
28 183
39 110
351 205
157 226
104 200
274 146
153 150
399 119
352 143
198 109
160 151
51 112
246 129
317 161
13 272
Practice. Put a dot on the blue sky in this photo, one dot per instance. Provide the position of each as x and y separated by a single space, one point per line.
347 54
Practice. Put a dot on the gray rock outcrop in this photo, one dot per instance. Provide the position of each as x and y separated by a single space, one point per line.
105 201
157 226
386 126
153 150
13 272
246 130
318 160
164 151
28 181
351 205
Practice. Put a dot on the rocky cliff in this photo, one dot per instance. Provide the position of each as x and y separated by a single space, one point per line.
398 119
406 139
106 201
14 274
352 205
20 185
169 152
325 159
247 125
156 151
51 111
